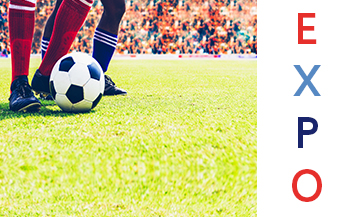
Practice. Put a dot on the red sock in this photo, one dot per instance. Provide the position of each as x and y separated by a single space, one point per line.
70 17
21 26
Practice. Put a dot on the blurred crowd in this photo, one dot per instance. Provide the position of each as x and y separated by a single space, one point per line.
161 27
4 29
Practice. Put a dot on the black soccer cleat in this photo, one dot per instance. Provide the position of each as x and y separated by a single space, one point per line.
40 83
22 98
111 89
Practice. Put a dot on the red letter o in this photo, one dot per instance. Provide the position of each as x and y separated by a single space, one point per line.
318 189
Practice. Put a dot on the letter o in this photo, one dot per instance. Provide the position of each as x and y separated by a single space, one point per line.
296 179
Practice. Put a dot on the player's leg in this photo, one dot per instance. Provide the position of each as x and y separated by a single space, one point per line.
105 40
69 18
49 29
49 26
21 25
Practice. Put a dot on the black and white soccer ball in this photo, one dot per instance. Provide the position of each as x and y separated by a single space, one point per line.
77 82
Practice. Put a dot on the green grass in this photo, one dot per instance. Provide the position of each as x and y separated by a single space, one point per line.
182 143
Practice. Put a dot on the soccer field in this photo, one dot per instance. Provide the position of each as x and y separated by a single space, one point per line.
182 143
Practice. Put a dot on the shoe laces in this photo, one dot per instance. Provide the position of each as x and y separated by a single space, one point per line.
109 81
24 89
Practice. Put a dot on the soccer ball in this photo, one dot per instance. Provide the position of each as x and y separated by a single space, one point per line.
77 82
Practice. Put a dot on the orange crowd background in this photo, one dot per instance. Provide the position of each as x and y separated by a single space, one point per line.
161 27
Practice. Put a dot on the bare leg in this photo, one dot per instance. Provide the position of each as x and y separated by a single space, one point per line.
113 13
50 22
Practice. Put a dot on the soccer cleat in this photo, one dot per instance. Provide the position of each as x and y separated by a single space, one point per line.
111 89
40 83
22 98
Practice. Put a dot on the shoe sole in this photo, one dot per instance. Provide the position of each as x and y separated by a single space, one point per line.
42 92
33 107
116 95
37 93
122 94
43 96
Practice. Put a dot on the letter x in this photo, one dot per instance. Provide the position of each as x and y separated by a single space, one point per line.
307 80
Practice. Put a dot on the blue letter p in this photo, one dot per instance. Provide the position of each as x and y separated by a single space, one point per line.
302 132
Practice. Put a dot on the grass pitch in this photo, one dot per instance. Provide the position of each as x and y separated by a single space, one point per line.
182 143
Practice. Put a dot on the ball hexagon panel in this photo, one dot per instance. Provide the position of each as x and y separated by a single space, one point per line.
82 106
75 93
96 101
63 102
95 71
66 64
79 74
61 82
92 89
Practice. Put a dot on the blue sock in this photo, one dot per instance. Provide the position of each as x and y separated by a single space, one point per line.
104 47
44 46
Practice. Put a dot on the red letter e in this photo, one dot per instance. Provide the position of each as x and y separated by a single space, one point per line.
302 28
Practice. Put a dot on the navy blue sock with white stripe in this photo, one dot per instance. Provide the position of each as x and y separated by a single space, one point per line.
44 46
104 47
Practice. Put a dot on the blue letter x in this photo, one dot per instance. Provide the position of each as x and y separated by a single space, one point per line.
307 80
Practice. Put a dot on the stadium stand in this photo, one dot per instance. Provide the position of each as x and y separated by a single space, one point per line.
161 27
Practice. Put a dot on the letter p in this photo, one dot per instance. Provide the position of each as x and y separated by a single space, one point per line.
302 132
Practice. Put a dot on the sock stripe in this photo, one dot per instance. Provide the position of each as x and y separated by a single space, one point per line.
105 42
22 8
105 39
106 33
86 2
24 3
110 37
31 1
44 46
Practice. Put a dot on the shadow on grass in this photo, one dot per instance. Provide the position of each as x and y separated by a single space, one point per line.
48 108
